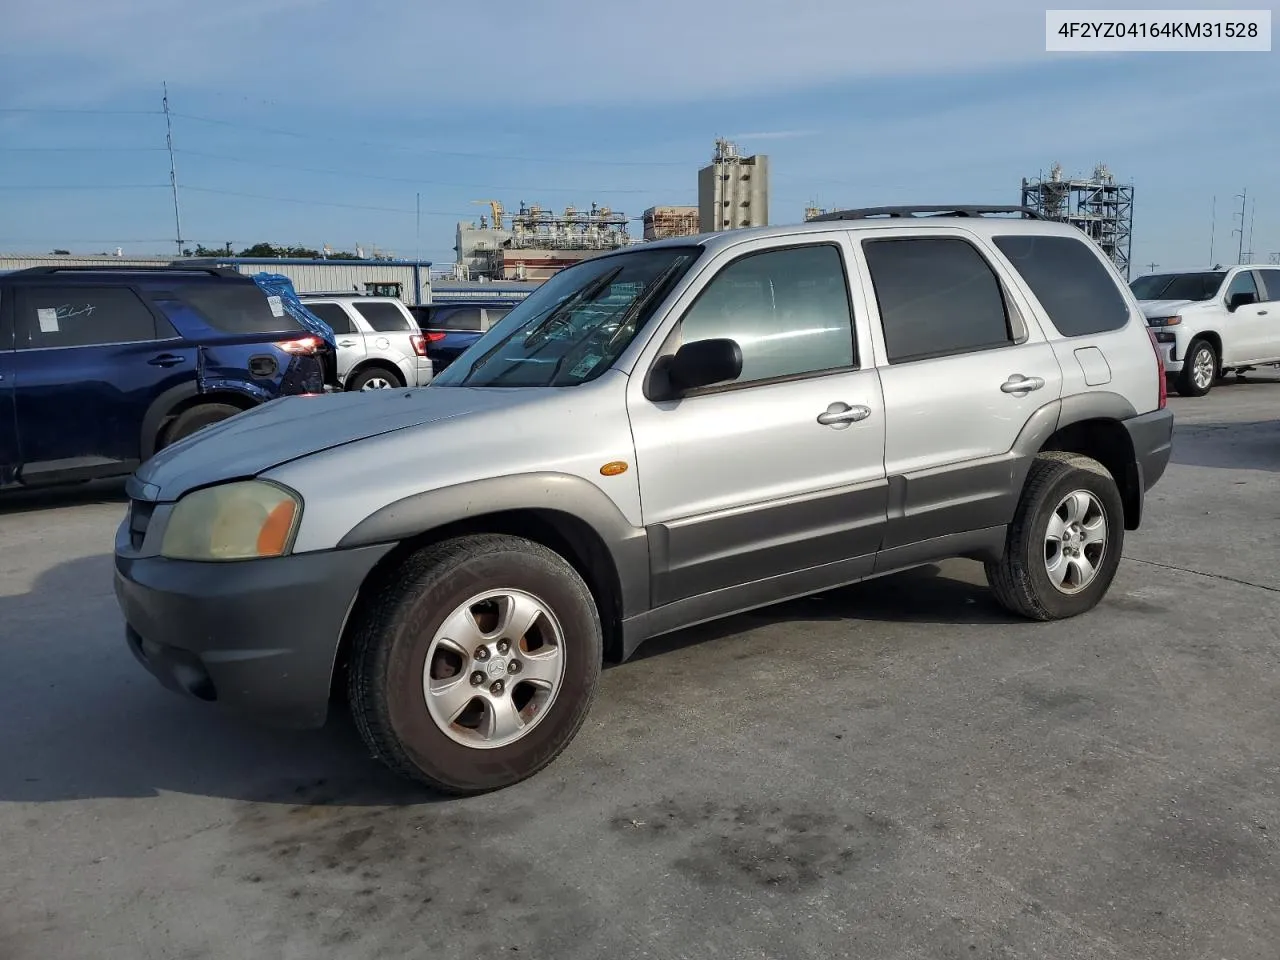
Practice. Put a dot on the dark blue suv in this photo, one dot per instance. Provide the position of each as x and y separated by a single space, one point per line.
100 367
450 328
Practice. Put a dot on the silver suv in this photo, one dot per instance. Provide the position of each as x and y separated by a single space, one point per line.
379 344
657 437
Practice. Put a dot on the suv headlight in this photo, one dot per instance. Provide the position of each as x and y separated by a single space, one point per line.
243 520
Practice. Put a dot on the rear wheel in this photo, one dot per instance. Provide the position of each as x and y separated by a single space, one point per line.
193 419
476 665
1063 547
1199 369
375 378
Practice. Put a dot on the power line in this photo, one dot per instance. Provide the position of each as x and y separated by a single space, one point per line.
417 181
81 149
87 112
427 150
83 186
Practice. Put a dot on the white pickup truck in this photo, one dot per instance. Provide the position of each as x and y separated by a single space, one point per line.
1212 322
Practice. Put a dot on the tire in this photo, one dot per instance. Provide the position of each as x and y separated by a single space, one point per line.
1022 580
403 623
193 419
1200 356
373 378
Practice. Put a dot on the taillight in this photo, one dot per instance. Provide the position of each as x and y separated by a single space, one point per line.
1160 372
419 344
302 346
435 336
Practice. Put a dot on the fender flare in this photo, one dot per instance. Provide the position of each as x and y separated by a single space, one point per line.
555 492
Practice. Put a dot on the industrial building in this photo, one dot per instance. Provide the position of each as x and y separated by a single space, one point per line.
663 222
733 190
1098 205
20 261
538 243
407 280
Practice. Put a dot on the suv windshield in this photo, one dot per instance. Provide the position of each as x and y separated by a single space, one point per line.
1178 286
573 327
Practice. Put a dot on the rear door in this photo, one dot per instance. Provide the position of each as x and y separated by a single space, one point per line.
88 362
954 345
351 346
1269 342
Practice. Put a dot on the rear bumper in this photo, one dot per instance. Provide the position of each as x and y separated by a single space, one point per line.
423 371
1152 437
257 637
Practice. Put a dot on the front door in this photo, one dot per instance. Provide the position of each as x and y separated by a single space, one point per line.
10 455
89 361
1246 325
781 470
962 374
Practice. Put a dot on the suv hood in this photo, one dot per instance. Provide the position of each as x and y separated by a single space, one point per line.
282 430
1166 308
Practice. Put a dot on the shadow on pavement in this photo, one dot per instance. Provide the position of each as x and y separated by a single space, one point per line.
82 719
1247 445
22 500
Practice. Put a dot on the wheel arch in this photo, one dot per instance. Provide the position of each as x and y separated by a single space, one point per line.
179 399
1091 424
380 363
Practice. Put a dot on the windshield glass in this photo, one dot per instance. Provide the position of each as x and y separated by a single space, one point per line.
1178 286
574 326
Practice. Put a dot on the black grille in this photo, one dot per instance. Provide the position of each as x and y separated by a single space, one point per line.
139 518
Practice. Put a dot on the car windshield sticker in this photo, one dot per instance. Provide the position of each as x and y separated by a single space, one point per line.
48 317
277 308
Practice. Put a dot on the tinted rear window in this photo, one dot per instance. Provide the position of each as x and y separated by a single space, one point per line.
1070 282
384 317
235 307
455 318
333 315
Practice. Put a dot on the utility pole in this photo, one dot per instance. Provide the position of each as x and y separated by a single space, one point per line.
1213 225
1151 267
173 170
1274 258
1253 215
417 227
1243 198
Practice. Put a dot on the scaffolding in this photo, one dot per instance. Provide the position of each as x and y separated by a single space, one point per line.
663 222
599 228
1099 206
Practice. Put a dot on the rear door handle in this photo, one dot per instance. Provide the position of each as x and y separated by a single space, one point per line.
346 343
166 360
1019 384
841 415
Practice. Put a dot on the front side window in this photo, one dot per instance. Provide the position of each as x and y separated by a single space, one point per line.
574 326
788 311
383 317
1070 282
1242 283
75 316
938 296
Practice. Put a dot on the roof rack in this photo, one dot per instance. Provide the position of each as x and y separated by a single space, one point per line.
123 268
963 210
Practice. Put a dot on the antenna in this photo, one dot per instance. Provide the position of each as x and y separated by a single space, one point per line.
173 170
1242 197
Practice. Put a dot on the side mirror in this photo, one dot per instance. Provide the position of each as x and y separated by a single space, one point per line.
1241 300
703 363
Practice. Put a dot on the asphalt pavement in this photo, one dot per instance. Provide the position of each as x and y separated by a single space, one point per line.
893 770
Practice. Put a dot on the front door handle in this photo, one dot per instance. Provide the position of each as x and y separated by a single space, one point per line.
1262 313
166 360
840 415
1018 384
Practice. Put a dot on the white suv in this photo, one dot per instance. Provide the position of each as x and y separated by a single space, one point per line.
1212 322
656 437
379 344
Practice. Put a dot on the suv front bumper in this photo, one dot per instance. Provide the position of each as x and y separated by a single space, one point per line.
259 637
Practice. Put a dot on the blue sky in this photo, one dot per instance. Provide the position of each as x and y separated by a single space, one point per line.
568 102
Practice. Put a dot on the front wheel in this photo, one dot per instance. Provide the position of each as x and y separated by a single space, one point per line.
476 665
1063 547
1199 369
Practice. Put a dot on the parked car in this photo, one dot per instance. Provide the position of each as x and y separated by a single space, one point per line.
1213 322
100 367
379 344
451 328
657 437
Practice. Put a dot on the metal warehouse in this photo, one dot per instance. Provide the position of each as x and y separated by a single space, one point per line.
409 280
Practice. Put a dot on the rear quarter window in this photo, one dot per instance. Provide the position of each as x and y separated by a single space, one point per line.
456 318
1075 289
234 307
384 317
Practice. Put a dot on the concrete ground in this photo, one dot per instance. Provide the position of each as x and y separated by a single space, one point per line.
895 770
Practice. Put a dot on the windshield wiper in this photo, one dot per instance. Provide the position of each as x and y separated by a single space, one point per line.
582 295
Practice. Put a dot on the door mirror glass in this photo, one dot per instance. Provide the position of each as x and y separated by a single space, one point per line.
704 363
